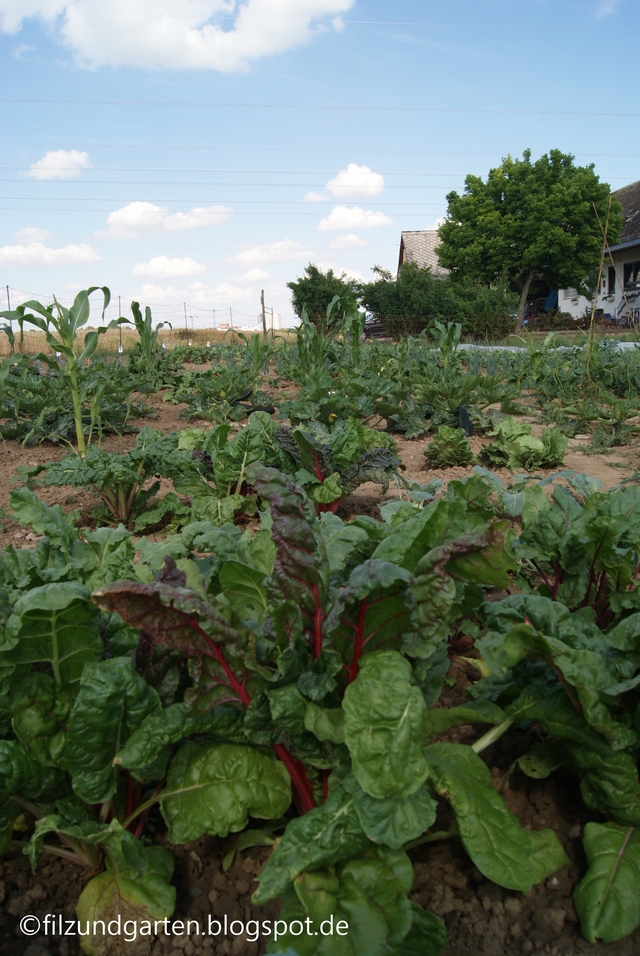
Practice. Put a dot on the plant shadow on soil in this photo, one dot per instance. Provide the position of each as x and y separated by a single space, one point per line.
480 916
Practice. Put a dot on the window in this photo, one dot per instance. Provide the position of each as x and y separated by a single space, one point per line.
569 294
631 271
611 281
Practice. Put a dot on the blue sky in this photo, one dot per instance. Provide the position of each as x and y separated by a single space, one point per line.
202 151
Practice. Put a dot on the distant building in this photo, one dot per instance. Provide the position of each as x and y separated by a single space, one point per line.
619 294
420 246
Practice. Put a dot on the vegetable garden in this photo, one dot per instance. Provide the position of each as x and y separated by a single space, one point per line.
320 630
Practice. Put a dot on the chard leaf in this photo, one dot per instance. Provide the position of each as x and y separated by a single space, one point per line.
180 621
440 719
116 894
57 624
440 522
113 700
370 610
325 723
341 540
44 519
244 589
608 897
215 788
427 936
368 892
491 835
392 821
40 714
322 837
384 726
300 575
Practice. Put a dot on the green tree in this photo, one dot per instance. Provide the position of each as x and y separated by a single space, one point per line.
419 295
529 221
315 290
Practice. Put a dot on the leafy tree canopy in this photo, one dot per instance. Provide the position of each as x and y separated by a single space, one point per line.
529 221
315 290
419 294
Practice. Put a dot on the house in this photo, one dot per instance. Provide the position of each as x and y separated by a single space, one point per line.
619 294
419 246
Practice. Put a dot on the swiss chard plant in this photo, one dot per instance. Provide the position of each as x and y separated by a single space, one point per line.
121 481
315 680
579 683
331 462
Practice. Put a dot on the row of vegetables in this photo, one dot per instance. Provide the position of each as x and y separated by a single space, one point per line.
292 675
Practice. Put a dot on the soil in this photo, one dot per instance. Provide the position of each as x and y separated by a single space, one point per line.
480 916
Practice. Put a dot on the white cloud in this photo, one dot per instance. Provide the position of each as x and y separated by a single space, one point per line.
37 254
607 7
60 164
200 295
278 250
228 292
253 275
161 267
325 265
315 197
356 182
352 217
31 234
139 218
21 50
150 33
347 242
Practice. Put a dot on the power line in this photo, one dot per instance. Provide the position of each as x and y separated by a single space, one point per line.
244 202
341 107
299 149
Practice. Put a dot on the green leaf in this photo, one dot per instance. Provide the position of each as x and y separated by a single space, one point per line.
384 726
117 894
474 712
55 623
246 840
215 788
491 835
40 714
113 700
392 821
449 447
244 589
341 540
367 894
326 723
608 898
322 837
427 936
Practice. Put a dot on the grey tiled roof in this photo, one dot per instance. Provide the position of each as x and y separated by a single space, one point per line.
420 247
629 196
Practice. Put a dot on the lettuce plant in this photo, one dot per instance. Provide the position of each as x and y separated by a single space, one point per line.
449 447
515 447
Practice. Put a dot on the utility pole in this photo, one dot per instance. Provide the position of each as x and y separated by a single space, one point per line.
231 317
120 326
186 325
264 317
9 308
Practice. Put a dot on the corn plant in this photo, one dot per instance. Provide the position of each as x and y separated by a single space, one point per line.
147 334
61 327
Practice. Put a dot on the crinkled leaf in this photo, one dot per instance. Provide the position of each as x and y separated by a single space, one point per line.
57 624
368 892
113 700
322 837
215 788
384 726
